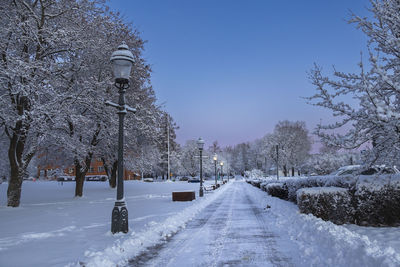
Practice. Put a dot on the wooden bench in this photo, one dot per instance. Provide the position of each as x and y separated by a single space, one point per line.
183 196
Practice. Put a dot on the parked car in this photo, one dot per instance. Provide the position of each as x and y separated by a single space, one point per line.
101 178
148 180
184 178
194 180
65 178
346 170
357 169
382 169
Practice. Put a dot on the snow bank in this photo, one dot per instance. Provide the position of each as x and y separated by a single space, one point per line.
323 243
121 251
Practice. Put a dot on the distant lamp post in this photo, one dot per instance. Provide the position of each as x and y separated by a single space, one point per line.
200 145
122 61
215 158
222 171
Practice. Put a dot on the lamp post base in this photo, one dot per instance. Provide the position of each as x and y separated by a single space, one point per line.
119 218
201 193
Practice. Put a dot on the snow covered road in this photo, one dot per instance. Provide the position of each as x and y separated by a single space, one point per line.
232 231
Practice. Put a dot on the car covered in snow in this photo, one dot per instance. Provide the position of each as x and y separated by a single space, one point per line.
360 170
346 170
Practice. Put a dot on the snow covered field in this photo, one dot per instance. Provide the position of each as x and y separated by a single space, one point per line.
51 228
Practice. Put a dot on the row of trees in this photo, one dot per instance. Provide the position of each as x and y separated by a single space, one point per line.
289 139
287 148
54 78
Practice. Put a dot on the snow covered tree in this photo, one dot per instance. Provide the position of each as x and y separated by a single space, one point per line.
240 158
88 128
35 40
167 126
325 163
176 166
55 75
293 143
214 148
257 155
374 121
189 157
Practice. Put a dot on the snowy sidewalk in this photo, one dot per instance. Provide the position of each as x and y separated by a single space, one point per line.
231 231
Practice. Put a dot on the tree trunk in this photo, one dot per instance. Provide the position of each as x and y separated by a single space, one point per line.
113 181
285 170
112 176
292 171
80 173
18 163
14 187
79 179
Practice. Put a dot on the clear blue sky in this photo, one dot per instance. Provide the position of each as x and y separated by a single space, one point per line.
230 70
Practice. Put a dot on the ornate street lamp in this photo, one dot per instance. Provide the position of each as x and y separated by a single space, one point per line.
222 172
122 61
200 145
215 158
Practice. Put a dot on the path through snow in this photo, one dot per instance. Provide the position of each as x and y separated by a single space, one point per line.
232 231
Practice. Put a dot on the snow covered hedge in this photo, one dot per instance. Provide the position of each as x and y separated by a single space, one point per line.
277 190
375 199
378 201
328 203
369 200
295 184
256 183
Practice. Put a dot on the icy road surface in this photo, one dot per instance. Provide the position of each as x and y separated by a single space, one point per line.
232 231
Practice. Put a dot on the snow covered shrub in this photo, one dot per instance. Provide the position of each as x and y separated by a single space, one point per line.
263 186
255 173
277 190
295 184
256 183
328 203
378 201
